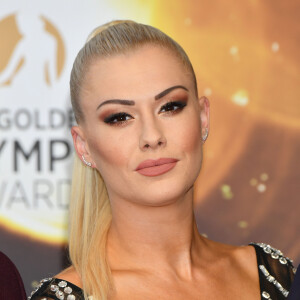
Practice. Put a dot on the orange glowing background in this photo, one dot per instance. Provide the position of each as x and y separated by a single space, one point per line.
246 57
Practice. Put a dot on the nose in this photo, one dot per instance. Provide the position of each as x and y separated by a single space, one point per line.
152 136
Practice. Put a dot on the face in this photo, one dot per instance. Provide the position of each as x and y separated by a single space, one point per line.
141 110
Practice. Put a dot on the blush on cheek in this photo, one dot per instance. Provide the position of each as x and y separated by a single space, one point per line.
106 153
189 136
188 141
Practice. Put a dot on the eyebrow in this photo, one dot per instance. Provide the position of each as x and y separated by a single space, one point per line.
131 102
167 91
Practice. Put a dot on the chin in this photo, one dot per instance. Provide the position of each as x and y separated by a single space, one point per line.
163 196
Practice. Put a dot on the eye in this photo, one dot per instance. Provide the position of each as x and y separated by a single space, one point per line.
117 119
173 107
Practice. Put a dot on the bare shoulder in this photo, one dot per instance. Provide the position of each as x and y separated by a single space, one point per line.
245 257
241 258
70 275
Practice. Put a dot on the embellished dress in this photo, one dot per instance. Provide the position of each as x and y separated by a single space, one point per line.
276 274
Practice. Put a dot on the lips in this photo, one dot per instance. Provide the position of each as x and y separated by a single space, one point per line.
156 167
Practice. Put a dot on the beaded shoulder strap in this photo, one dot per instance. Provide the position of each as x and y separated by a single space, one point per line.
275 268
58 289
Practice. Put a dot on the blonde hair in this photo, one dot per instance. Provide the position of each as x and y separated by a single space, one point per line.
90 213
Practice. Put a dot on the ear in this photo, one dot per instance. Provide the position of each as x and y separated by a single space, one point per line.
204 114
81 146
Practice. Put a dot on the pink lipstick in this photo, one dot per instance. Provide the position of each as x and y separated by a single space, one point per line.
157 167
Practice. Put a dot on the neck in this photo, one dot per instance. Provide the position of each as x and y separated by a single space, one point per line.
143 237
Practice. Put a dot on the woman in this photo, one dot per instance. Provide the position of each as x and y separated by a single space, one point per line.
141 128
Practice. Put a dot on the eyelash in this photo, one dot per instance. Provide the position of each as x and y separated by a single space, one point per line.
179 104
122 117
114 119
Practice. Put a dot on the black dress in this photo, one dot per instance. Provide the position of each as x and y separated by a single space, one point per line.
276 273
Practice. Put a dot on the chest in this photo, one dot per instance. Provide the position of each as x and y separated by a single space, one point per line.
198 290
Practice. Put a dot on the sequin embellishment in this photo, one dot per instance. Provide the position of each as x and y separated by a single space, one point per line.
266 295
60 295
39 286
62 284
61 290
54 288
271 279
275 253
68 290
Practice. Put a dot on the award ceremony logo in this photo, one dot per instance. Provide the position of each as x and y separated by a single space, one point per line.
31 49
35 119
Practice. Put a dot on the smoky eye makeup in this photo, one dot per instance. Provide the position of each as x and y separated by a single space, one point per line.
173 106
117 118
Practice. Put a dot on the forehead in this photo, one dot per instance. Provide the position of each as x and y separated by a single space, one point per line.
139 73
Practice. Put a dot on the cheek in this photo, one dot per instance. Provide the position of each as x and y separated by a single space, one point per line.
190 143
188 135
108 151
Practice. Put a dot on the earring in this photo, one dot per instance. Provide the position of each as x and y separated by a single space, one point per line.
205 135
86 162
